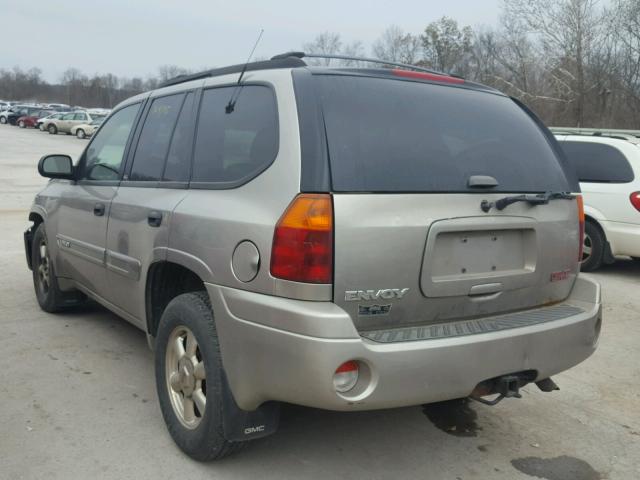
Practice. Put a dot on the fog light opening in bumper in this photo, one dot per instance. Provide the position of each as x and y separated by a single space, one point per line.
346 376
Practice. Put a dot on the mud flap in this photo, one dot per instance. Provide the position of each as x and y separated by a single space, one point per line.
240 425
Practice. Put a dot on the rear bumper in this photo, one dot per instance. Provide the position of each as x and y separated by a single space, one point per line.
624 238
296 366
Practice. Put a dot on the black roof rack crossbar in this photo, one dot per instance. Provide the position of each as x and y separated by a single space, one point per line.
285 62
360 59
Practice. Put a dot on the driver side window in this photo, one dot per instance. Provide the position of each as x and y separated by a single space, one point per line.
103 158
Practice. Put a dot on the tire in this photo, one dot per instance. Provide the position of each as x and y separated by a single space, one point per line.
41 127
80 133
3 120
52 129
188 321
21 124
593 249
50 298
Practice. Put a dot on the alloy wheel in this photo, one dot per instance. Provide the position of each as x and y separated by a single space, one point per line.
44 270
186 377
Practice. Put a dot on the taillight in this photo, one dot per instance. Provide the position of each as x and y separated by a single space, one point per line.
635 200
302 248
581 223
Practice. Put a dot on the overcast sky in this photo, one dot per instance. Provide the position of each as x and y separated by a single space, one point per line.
133 37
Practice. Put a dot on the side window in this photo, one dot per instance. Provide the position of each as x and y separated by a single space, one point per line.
103 157
235 147
80 116
153 144
68 116
179 157
597 162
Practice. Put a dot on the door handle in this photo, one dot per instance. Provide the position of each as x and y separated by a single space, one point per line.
98 209
155 218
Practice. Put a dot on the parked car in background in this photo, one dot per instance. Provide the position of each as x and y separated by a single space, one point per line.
69 120
346 239
60 107
21 111
4 115
31 119
608 167
41 124
85 130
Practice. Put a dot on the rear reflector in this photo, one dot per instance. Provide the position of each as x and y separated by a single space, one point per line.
434 77
581 223
635 200
346 376
302 248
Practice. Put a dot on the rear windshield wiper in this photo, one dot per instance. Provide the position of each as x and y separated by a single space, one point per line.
532 199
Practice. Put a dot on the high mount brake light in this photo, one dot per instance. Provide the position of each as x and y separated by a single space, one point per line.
581 223
302 249
426 76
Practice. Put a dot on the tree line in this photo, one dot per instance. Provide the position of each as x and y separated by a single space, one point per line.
574 62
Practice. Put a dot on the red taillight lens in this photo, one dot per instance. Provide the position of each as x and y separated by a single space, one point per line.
426 76
635 200
346 376
581 223
302 248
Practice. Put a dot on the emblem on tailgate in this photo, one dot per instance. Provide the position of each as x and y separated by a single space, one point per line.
386 294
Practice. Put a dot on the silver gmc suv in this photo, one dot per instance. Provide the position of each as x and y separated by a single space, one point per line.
340 238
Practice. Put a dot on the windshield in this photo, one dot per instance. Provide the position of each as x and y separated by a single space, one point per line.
388 135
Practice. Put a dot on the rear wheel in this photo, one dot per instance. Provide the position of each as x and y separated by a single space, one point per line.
189 378
50 297
593 248
80 133
52 129
3 120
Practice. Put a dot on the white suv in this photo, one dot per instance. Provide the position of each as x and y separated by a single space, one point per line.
608 167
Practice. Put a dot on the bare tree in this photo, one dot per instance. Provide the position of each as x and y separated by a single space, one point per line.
395 45
446 46
327 43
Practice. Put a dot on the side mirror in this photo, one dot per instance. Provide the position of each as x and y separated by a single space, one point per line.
56 166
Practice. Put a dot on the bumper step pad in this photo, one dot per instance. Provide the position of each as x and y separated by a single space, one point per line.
472 327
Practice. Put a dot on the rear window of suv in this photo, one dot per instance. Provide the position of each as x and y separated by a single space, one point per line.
402 136
597 162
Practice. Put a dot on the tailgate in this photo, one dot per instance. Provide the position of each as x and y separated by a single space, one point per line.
407 261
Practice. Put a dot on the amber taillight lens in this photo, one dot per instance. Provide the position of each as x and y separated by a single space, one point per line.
302 248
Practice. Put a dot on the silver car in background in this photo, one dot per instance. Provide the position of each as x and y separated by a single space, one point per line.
345 239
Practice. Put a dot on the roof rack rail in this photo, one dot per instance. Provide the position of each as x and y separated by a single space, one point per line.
632 136
360 59
285 62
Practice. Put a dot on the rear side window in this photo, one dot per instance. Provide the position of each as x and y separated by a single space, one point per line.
179 157
232 148
597 162
153 145
400 136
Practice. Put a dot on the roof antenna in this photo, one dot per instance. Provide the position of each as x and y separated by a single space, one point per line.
234 98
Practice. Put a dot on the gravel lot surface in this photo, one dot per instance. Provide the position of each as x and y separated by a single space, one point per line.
78 400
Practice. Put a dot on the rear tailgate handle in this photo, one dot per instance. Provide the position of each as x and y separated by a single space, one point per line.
485 289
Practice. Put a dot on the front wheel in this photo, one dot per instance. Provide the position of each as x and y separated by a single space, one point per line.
593 248
3 120
50 298
189 378
52 129
21 124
